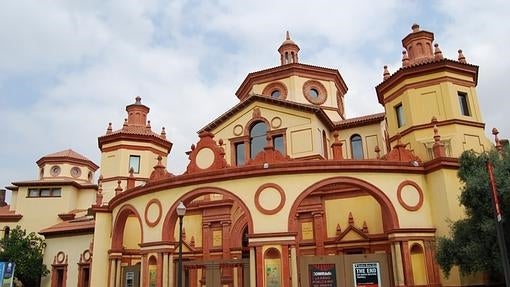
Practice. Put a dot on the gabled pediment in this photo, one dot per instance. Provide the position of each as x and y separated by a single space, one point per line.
283 106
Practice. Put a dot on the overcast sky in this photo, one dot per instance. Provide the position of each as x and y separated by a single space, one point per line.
67 68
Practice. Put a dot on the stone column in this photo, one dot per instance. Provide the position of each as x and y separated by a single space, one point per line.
396 258
113 269
318 227
118 277
253 270
165 270
171 271
294 266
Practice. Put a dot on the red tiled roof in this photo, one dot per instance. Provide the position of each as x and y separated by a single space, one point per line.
51 183
426 65
133 133
288 69
79 225
67 155
360 121
8 215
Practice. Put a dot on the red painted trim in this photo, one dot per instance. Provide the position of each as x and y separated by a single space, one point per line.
259 263
280 205
401 200
146 213
135 147
290 167
120 223
430 126
407 264
390 217
171 216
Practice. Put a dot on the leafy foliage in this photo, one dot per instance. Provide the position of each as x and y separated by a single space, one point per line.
473 244
26 250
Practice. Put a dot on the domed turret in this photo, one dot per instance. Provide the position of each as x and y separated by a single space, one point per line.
288 51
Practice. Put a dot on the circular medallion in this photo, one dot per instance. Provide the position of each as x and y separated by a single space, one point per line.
276 122
410 195
276 90
75 172
340 103
204 158
55 170
153 212
86 256
315 92
269 198
61 256
238 130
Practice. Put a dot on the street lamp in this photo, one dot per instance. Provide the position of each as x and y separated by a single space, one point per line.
181 210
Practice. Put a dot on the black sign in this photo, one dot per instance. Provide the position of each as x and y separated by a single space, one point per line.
322 275
366 274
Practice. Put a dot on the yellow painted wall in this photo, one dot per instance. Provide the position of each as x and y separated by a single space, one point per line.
303 134
294 86
372 135
363 209
441 101
132 234
65 172
192 224
72 246
30 207
102 243
246 188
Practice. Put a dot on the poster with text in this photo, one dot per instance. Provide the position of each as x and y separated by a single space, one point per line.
322 275
366 274
7 273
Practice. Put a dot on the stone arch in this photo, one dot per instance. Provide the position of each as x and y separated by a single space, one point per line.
171 216
120 223
390 217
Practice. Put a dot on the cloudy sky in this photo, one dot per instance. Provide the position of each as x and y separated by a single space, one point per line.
67 68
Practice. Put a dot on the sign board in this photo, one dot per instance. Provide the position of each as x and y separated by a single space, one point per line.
7 273
366 274
322 275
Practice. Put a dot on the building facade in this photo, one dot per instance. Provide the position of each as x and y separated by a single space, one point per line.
281 190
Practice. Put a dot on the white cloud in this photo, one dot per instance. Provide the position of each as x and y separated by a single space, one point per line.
76 65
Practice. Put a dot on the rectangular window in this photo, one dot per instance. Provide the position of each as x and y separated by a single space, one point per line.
45 192
240 152
278 144
463 102
134 163
33 192
399 111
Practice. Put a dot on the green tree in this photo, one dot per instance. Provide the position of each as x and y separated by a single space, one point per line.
473 244
26 250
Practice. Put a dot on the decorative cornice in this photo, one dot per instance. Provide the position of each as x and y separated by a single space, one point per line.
54 183
291 167
437 123
424 69
284 71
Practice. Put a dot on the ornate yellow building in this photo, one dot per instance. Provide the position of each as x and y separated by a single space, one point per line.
281 190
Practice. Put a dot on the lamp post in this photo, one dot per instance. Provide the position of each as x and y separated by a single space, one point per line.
181 210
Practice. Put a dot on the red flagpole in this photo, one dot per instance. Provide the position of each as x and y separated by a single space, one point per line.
499 223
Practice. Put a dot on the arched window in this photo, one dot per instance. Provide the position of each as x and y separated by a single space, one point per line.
356 147
418 265
7 230
258 134
325 144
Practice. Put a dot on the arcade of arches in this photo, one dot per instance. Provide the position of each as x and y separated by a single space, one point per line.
333 219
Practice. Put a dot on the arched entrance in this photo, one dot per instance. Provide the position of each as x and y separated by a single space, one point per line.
125 256
214 229
341 222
